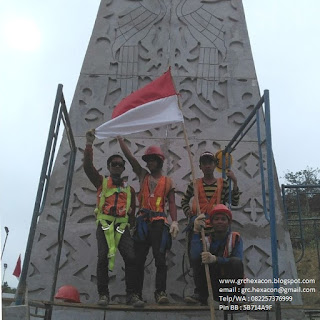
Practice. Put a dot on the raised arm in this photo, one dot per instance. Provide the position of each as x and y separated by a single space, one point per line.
131 158
93 175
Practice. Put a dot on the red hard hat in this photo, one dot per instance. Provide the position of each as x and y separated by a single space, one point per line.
153 150
221 208
68 294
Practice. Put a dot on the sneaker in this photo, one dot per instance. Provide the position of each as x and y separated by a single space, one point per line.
196 299
135 301
103 300
161 297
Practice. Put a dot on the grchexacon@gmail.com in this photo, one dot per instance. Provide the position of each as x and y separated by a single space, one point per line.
260 297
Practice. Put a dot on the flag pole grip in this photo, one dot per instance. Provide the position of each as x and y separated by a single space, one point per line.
195 188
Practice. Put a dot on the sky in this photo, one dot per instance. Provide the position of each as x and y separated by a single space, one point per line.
43 43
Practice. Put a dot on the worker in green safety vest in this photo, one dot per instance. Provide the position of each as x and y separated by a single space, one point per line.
114 212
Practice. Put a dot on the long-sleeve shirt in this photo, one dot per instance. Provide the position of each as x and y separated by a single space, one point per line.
96 178
209 191
216 248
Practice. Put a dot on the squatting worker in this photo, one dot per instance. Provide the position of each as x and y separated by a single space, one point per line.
224 255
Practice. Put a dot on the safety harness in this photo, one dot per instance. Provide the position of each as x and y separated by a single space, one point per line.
231 242
142 229
112 225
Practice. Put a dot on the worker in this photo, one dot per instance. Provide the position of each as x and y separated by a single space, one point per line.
115 207
152 225
211 191
224 257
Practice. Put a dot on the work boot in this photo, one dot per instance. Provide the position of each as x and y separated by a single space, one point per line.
161 297
103 299
135 301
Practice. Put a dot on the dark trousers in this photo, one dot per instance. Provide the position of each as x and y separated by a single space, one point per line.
231 270
155 230
126 249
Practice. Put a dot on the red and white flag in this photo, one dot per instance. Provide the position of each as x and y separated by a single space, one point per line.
17 269
152 106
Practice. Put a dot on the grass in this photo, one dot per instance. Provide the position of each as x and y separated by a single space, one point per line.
308 268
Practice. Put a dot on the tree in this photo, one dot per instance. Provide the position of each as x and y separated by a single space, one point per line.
303 202
7 289
308 176
309 197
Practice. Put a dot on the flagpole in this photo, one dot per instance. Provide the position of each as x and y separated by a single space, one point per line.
195 188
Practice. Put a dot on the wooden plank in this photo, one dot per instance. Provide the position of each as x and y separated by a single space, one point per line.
121 307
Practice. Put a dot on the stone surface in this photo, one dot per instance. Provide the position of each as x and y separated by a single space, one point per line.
207 46
16 312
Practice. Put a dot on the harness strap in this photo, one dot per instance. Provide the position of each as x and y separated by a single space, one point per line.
230 243
108 222
112 235
147 214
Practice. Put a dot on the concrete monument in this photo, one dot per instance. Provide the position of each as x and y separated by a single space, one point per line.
133 42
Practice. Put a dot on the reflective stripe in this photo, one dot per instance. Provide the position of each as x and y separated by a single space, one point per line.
155 201
158 203
206 206
230 243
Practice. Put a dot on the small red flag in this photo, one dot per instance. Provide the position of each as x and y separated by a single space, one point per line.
17 269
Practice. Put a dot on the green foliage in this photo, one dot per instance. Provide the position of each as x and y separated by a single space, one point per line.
303 203
308 176
7 289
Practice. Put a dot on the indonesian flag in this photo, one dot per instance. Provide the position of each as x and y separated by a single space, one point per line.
152 106
17 269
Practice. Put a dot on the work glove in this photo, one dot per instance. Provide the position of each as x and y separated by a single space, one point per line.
90 136
199 223
174 229
207 257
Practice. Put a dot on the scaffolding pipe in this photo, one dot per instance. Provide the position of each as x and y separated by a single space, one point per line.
43 186
272 213
263 183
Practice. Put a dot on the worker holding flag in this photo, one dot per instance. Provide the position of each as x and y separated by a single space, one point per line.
152 225
115 208
152 106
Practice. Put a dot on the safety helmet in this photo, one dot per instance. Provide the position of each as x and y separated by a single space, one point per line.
115 156
68 294
153 151
208 154
221 208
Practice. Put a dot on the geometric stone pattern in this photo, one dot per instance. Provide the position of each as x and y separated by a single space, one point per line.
134 41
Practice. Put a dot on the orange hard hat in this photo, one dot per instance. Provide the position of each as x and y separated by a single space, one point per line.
68 294
221 208
153 151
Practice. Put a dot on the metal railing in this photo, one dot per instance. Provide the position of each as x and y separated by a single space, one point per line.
59 114
298 216
252 119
